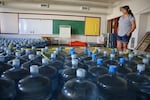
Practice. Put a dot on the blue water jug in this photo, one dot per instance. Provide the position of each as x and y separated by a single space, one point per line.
8 89
34 86
111 86
79 88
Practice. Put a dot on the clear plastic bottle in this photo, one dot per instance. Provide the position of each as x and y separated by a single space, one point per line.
98 70
50 72
16 73
111 61
111 86
8 90
138 84
34 86
122 68
79 88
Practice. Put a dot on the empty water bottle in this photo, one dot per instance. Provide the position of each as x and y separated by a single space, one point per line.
16 73
79 88
98 70
111 86
34 86
122 68
111 61
7 88
138 84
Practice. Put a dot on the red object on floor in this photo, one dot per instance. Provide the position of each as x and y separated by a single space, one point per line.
77 43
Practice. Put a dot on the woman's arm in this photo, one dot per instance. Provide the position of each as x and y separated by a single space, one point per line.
133 27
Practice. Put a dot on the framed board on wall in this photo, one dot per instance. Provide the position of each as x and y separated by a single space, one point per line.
92 26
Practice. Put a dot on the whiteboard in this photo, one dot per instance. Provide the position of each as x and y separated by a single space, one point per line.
8 23
35 26
65 31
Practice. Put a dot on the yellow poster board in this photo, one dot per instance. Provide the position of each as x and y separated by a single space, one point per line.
92 26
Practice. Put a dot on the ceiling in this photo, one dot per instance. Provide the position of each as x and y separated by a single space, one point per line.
91 3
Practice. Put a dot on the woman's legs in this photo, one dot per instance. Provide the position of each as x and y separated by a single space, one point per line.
119 45
125 46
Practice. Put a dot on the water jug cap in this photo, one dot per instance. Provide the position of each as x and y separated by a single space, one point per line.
45 61
81 73
27 51
17 54
99 61
148 56
55 52
8 52
112 69
141 67
122 60
16 63
85 50
42 50
53 56
135 53
31 57
105 52
99 50
46 48
38 53
74 62
145 61
130 55
112 55
22 49
93 56
113 51
33 48
89 53
34 69
73 56
120 53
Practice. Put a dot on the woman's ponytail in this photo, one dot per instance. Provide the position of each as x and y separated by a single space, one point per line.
128 10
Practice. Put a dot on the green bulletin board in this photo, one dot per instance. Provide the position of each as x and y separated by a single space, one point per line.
77 27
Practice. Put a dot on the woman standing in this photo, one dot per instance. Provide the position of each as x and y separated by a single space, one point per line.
127 25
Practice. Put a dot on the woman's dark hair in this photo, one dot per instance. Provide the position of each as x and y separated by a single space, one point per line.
127 8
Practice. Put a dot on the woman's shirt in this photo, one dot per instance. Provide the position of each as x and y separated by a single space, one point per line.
125 25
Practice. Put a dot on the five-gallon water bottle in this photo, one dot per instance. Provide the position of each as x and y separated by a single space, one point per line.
92 62
98 70
104 56
3 65
146 63
111 86
31 62
79 88
68 63
38 56
138 84
111 61
84 53
16 73
70 72
27 53
7 89
50 72
87 58
34 86
122 68
131 62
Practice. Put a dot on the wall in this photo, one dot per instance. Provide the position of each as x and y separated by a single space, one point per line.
58 15
148 23
138 8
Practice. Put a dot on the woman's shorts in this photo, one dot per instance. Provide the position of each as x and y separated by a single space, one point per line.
124 38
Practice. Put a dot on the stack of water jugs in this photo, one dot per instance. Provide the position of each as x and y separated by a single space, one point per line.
58 74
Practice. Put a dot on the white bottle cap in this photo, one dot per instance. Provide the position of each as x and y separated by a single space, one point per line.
75 62
53 55
42 50
105 52
135 53
120 53
22 49
148 56
81 73
141 67
17 54
46 48
112 55
34 69
145 61
31 57
38 53
8 52
55 52
130 55
16 62
99 50
33 48
27 51
45 61
73 56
